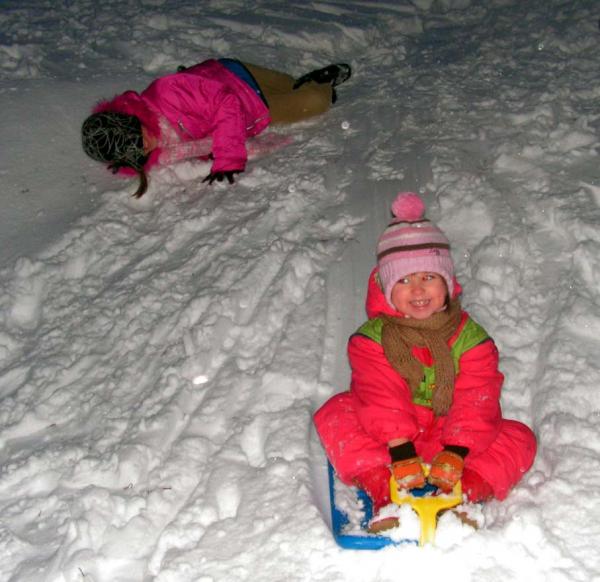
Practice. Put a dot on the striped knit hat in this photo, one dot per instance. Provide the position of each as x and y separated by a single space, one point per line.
412 244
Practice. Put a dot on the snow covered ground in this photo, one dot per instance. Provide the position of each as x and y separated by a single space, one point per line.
160 359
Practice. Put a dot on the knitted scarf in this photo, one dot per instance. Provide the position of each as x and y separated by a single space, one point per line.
400 334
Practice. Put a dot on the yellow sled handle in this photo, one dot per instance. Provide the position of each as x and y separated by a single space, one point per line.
427 506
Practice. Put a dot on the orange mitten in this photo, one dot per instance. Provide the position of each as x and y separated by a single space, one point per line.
406 466
446 470
409 473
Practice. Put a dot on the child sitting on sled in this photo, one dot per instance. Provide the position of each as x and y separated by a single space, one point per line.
222 99
425 384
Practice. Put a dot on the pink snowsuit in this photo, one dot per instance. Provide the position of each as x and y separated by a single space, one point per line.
355 426
206 100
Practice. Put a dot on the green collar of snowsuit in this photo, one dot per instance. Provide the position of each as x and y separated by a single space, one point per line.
471 335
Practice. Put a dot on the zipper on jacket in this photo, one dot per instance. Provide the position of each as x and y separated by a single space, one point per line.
256 121
183 128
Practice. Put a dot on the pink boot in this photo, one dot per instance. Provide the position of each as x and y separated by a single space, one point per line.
376 484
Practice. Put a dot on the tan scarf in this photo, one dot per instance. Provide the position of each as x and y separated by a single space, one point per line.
400 334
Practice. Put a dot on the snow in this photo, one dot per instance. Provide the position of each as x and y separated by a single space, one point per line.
160 359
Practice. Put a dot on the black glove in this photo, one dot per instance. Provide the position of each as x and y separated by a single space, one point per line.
219 176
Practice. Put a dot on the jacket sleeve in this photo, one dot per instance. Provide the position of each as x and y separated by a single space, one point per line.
475 416
383 398
229 135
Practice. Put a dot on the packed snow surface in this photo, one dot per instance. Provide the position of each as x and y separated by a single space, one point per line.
161 358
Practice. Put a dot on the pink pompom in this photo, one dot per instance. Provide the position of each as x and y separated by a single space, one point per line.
408 207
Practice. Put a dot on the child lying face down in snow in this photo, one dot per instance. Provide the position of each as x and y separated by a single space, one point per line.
425 381
225 99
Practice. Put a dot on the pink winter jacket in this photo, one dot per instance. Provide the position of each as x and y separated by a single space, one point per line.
384 400
206 100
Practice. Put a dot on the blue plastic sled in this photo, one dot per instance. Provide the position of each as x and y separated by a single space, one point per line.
339 520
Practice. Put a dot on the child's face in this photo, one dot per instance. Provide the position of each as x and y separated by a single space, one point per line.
420 295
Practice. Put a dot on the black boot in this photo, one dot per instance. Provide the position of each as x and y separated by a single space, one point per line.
334 74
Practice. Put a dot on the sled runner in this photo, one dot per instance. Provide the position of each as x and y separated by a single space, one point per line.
349 520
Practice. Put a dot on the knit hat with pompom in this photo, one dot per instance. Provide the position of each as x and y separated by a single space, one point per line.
412 244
